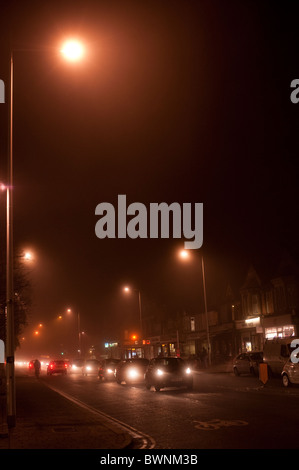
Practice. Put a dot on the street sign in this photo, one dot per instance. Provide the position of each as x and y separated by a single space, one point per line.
264 373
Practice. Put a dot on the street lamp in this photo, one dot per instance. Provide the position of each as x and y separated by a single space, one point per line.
127 290
184 255
72 52
69 310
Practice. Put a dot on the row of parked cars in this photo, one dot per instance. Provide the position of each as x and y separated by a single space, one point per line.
281 357
159 372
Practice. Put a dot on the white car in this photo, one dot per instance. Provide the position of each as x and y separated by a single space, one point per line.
290 373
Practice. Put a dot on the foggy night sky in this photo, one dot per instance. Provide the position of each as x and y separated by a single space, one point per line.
176 101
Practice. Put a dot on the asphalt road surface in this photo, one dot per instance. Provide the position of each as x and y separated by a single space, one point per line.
222 411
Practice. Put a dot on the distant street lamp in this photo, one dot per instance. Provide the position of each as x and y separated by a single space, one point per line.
127 290
184 255
69 310
72 51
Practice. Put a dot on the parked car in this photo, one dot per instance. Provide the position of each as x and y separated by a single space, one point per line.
168 372
290 373
76 366
108 368
57 367
131 371
276 353
91 367
247 363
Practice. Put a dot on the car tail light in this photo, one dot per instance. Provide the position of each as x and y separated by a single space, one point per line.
65 365
51 366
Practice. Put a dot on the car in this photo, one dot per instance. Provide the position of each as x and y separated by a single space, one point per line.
76 366
131 371
168 372
248 363
108 368
290 372
57 367
276 353
91 367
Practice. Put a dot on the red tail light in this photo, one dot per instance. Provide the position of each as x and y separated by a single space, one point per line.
65 365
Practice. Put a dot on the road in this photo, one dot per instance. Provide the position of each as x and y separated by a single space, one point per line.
223 411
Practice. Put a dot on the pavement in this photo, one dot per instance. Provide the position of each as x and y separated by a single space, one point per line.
47 420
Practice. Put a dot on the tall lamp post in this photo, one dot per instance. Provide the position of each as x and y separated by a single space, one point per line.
73 51
184 254
69 310
128 290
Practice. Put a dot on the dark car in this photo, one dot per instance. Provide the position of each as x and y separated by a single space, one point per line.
108 368
247 363
91 367
57 367
131 371
168 372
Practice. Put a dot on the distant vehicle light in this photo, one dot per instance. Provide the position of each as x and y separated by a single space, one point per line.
188 370
110 371
88 368
132 373
160 372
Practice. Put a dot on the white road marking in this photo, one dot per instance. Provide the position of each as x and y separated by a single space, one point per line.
147 441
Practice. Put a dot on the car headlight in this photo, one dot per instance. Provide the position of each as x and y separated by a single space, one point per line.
188 370
132 373
160 372
88 368
110 371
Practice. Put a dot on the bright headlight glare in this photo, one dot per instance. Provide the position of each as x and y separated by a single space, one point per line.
88 368
188 370
160 372
132 373
110 371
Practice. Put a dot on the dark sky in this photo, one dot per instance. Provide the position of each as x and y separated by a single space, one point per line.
176 101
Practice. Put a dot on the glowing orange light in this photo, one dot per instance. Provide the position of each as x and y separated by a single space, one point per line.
184 254
72 50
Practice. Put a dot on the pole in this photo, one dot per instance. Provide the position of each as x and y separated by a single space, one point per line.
140 313
206 309
79 335
10 334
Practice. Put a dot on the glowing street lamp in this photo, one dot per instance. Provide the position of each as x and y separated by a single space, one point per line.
28 256
185 255
127 290
73 52
69 311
